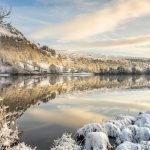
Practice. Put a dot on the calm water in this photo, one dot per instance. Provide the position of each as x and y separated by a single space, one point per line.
46 107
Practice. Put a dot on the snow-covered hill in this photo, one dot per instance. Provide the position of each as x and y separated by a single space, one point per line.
20 56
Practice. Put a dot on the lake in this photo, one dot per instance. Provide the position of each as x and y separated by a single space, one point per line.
45 107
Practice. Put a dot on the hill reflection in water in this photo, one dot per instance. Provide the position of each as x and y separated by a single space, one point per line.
47 106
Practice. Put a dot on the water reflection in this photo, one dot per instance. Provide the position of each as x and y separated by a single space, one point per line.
77 100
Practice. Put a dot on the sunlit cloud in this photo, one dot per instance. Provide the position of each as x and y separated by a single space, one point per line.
95 23
110 44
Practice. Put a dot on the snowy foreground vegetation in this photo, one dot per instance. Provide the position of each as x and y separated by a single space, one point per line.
122 133
9 139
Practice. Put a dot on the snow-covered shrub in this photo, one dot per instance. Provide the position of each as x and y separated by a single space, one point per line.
125 135
65 143
143 119
123 121
129 146
8 137
85 130
97 141
140 133
114 127
111 129
134 146
9 140
145 145
123 129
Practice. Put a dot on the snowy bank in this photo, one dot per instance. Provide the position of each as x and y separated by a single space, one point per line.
9 139
122 133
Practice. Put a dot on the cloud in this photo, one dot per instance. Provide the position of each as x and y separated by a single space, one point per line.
95 23
132 46
123 44
119 43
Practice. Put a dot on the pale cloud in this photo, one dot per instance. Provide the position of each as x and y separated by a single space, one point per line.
99 22
119 43
131 46
136 43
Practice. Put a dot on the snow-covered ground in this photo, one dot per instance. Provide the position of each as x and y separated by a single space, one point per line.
8 30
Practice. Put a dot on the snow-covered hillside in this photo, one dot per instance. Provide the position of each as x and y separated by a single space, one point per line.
10 31
25 57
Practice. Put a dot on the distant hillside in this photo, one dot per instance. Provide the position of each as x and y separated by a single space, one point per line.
20 56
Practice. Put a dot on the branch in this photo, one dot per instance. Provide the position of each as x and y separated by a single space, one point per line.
4 13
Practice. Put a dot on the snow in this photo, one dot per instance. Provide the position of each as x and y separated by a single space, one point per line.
123 121
134 146
65 143
97 141
111 129
94 127
143 119
134 134
44 65
85 130
4 68
8 30
7 137
4 31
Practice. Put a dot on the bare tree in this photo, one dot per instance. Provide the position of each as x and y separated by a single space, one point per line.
4 13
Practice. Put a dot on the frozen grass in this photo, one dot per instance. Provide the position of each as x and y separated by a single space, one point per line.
9 139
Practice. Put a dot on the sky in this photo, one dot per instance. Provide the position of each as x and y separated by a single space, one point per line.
92 27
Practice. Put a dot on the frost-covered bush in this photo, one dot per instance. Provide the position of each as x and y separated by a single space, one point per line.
65 143
111 129
123 121
134 134
143 119
114 127
85 130
8 137
97 141
134 146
